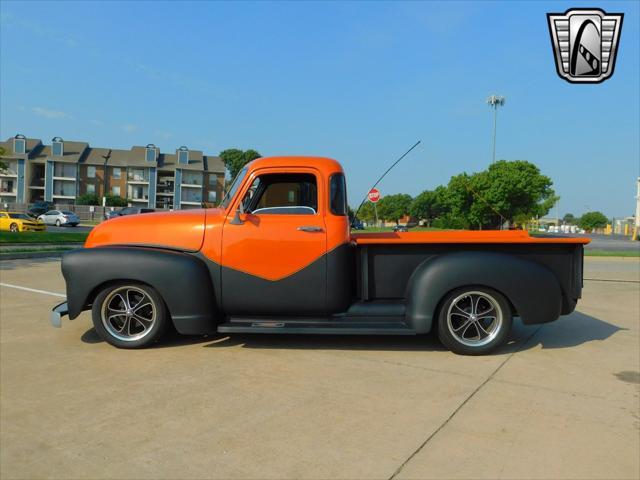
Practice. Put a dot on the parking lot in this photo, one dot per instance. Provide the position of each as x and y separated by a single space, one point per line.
562 400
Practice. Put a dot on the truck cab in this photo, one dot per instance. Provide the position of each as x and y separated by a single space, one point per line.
278 256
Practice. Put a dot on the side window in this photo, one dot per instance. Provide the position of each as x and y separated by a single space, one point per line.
283 194
3 215
338 195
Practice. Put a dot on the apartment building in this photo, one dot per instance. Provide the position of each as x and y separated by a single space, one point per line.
143 175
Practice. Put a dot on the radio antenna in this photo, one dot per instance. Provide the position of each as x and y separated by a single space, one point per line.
383 175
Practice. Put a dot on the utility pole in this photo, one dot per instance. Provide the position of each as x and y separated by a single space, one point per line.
495 101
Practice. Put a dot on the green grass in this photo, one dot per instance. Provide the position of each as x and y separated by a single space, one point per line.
43 237
611 253
9 251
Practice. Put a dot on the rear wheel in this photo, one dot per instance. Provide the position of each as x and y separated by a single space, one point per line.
130 315
14 227
474 320
57 223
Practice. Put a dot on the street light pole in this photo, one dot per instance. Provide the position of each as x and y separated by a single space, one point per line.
495 101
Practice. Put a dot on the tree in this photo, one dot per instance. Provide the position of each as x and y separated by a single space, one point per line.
507 190
394 207
569 219
592 220
88 199
367 212
3 165
429 205
235 159
115 201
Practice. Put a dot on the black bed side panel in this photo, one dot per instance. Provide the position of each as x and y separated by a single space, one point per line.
182 280
532 288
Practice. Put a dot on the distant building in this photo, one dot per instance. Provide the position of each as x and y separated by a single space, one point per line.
143 175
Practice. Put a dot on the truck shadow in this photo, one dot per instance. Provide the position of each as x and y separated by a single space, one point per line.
570 331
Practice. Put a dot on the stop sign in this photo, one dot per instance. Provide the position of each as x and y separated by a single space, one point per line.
374 195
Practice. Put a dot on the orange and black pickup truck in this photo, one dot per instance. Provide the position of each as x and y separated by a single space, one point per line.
278 256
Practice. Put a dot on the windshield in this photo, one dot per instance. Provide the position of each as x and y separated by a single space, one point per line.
20 215
234 187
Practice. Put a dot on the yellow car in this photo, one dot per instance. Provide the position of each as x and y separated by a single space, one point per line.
20 222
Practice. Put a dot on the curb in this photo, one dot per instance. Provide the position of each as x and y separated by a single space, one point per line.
43 245
22 255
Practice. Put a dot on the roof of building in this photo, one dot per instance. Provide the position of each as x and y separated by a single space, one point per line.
80 152
197 162
33 145
71 152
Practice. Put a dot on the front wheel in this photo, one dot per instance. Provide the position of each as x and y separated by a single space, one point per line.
474 320
130 315
14 228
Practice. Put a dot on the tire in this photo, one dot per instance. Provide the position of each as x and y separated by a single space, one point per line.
57 223
14 227
144 317
463 331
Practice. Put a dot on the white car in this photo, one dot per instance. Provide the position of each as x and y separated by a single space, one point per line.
59 218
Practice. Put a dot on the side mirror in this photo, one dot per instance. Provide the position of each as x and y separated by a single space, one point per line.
237 220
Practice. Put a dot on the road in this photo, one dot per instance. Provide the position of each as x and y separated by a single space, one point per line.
561 400
612 243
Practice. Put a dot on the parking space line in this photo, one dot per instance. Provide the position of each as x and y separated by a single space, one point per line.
26 289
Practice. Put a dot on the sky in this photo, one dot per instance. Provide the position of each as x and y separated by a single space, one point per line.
359 82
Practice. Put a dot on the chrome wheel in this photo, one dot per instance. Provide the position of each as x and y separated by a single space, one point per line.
13 227
128 313
474 318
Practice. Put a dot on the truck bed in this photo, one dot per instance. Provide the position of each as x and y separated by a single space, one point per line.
462 236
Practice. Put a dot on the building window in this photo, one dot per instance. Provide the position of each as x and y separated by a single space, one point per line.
116 173
64 170
57 148
213 181
91 188
151 153
212 196
19 144
183 155
91 171
116 190
138 175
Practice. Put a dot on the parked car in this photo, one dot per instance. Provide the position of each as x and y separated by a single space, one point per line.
128 211
20 222
357 225
400 228
278 257
39 208
59 218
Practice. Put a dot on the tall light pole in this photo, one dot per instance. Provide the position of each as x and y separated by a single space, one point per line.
495 101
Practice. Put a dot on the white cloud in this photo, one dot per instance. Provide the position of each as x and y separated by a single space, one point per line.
129 128
51 114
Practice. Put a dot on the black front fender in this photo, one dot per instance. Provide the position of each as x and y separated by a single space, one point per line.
181 279
532 288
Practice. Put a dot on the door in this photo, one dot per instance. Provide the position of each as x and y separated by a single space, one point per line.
274 254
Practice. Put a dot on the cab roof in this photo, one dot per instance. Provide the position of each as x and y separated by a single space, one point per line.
323 164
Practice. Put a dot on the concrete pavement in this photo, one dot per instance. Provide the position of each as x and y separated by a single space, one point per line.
560 401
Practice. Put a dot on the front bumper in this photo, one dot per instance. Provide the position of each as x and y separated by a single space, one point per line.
59 311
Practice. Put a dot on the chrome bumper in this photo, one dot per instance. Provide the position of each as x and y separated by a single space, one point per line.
55 317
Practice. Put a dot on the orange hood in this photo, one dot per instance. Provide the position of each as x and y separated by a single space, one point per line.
182 230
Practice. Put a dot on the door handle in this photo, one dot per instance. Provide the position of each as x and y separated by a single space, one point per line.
309 228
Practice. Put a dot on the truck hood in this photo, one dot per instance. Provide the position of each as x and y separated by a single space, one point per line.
182 230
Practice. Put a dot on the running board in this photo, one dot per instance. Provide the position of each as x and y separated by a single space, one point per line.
315 327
